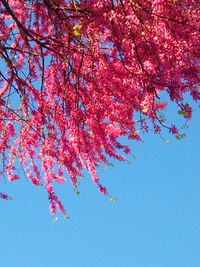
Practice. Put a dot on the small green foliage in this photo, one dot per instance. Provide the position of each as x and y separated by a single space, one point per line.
113 199
165 141
180 112
179 137
185 127
76 191
183 113
66 217
110 164
77 29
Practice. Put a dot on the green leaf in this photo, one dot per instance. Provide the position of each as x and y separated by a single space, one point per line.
180 112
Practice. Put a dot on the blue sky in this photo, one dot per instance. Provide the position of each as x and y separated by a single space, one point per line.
154 223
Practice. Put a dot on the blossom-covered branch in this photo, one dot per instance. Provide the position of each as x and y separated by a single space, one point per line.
76 74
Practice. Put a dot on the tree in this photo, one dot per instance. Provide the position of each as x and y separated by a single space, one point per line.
75 76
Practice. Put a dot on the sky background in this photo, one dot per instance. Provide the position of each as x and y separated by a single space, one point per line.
154 223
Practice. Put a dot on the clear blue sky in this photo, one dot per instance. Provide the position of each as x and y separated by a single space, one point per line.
154 223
